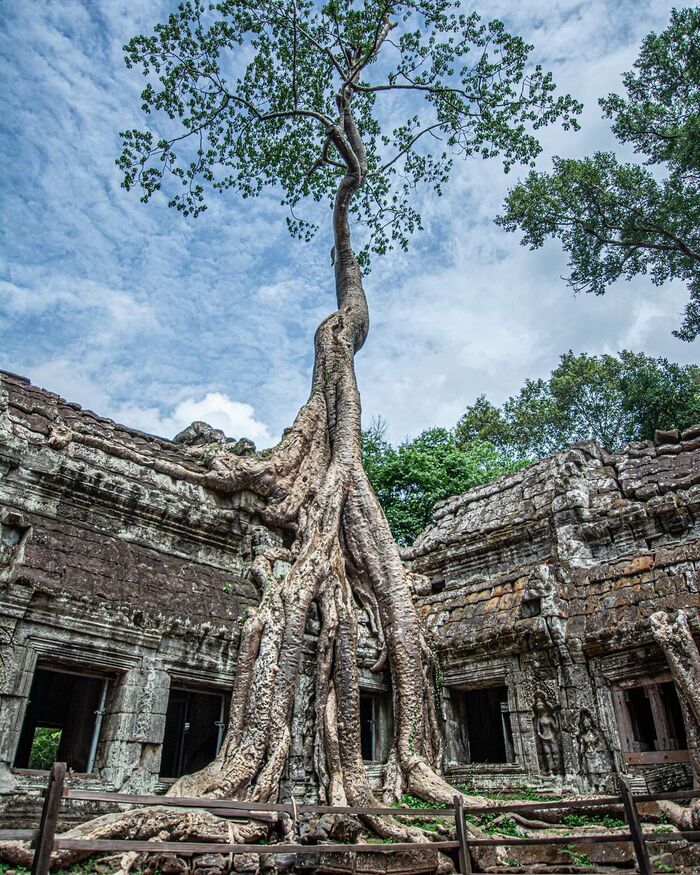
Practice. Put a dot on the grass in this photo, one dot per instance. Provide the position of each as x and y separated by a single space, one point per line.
409 801
592 820
524 794
506 826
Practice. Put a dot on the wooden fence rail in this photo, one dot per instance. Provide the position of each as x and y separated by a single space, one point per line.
45 840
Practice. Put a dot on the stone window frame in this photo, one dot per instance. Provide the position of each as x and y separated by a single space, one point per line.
383 737
463 676
80 659
74 671
508 738
186 683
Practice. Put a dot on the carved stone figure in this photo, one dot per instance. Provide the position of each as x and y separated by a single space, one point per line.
548 734
594 762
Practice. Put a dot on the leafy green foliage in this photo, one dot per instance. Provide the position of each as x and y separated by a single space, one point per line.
620 220
589 820
244 95
409 801
410 478
611 399
523 794
576 858
502 825
44 747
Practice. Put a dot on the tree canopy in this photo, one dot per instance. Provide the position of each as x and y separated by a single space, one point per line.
262 92
411 478
611 399
618 219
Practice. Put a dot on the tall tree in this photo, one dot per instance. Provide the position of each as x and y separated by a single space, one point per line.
623 219
286 93
409 479
610 399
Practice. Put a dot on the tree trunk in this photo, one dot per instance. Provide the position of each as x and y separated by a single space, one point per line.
677 642
343 556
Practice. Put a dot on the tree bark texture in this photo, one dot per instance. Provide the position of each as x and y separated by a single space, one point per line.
342 556
676 640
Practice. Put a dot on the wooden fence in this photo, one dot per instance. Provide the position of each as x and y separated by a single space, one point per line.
44 840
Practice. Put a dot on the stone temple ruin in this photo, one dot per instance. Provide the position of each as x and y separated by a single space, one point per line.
124 585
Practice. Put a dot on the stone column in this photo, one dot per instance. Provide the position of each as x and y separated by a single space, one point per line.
133 728
17 663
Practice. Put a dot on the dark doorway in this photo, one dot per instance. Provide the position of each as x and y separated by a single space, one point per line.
642 718
651 719
368 727
62 722
485 716
674 716
194 729
375 726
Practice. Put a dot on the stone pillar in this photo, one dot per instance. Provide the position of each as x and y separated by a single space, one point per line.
17 663
133 728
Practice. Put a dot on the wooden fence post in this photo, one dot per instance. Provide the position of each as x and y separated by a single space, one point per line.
465 860
632 817
49 817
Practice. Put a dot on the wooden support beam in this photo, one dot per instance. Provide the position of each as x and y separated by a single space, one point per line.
465 860
49 818
632 817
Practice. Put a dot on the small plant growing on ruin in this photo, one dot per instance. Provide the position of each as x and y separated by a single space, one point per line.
576 858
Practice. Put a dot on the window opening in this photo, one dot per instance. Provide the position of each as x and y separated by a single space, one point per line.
642 718
485 719
650 719
674 716
63 720
195 723
375 726
368 727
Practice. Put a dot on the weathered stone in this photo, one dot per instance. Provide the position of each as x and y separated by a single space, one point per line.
199 433
538 586
618 537
691 433
245 862
169 864
667 436
242 447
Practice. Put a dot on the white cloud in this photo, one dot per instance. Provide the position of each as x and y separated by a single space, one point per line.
235 418
157 320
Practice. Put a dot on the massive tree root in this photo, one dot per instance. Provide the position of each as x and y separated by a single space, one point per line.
342 556
676 640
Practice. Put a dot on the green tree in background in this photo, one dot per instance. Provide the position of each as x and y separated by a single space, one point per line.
411 478
612 399
625 219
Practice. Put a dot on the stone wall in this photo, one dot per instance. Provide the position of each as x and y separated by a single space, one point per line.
543 582
120 561
113 564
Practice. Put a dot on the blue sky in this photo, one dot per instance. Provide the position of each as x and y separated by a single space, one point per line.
155 319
